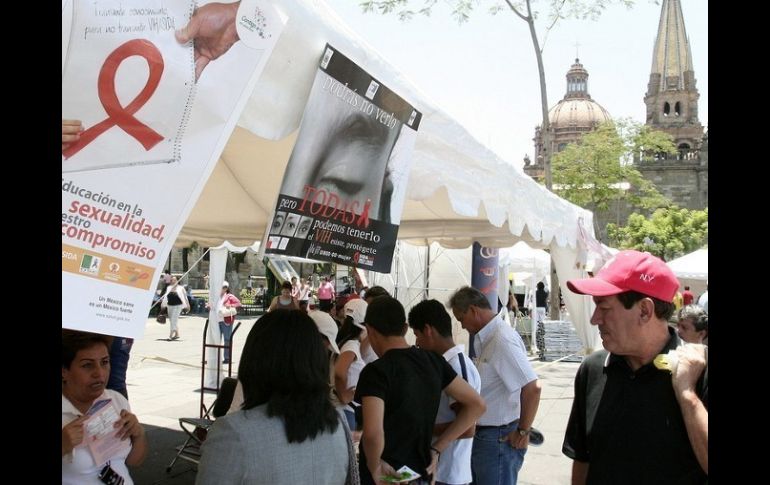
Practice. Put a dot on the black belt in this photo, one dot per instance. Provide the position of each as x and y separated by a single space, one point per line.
481 426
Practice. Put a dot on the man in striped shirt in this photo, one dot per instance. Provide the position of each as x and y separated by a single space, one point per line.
509 387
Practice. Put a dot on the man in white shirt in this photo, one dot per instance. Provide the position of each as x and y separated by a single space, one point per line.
509 387
432 326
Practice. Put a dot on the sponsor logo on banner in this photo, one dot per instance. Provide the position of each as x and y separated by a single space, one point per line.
487 253
90 264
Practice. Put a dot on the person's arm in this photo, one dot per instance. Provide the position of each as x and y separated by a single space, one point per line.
441 427
129 428
72 435
373 437
344 362
579 472
471 407
692 363
530 400
273 304
224 460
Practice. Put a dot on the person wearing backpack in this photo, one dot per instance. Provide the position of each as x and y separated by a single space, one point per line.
432 326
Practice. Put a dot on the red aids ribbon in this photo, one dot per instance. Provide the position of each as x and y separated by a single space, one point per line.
116 114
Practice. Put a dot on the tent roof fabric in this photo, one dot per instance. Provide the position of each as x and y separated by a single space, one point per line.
693 266
459 191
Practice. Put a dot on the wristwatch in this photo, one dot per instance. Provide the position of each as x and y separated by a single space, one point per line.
523 432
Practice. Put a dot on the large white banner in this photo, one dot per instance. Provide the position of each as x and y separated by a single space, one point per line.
151 138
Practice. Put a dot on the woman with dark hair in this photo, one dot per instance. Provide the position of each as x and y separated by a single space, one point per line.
284 301
287 431
91 412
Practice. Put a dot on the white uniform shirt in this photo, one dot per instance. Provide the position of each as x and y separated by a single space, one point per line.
78 467
504 369
354 371
454 465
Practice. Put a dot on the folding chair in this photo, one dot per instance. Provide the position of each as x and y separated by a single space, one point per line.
197 428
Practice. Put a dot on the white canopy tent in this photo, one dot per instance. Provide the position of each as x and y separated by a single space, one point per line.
692 270
459 191
420 272
525 262
217 267
692 266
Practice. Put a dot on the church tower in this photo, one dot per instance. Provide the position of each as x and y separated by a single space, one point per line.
672 107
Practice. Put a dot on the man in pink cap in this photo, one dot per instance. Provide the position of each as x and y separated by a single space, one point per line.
631 422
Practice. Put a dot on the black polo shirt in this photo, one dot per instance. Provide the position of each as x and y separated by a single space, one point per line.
628 425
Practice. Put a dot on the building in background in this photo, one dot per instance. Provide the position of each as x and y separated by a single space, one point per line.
572 117
672 107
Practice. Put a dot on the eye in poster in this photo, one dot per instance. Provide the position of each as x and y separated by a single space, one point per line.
154 127
343 190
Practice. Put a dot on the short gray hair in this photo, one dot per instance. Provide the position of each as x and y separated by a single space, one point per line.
467 296
699 317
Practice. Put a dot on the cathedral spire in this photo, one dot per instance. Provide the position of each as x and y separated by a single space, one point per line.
672 97
671 58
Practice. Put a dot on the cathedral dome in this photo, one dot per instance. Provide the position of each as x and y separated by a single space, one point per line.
577 113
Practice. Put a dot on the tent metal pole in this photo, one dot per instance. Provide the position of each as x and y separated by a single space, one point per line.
427 269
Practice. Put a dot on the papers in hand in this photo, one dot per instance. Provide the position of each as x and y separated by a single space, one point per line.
100 435
403 474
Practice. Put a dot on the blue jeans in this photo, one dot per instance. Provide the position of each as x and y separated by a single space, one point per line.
493 461
351 418
227 333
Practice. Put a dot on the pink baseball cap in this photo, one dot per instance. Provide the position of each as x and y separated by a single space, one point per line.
630 271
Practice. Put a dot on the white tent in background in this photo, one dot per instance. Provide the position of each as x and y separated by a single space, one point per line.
525 262
692 270
694 266
217 266
459 191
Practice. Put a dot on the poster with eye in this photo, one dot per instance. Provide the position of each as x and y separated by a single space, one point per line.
124 203
343 190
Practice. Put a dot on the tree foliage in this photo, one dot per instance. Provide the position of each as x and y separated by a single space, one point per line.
668 233
461 9
598 169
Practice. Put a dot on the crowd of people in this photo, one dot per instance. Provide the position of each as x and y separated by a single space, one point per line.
315 381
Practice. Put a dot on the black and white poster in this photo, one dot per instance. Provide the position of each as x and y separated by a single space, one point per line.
343 190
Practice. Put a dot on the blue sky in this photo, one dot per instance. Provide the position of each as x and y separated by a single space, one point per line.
483 73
